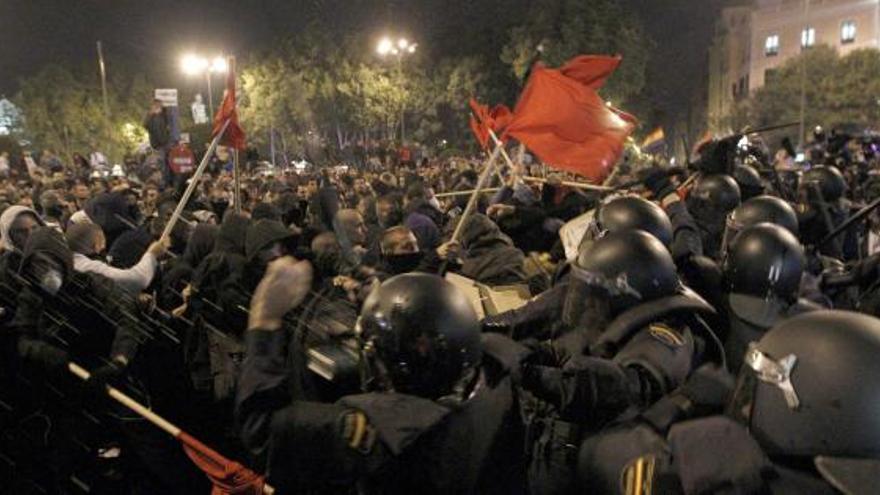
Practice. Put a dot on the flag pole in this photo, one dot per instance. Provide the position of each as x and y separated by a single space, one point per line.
144 412
236 179
484 176
236 167
193 182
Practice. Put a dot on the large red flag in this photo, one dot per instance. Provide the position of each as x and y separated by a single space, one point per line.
234 135
562 119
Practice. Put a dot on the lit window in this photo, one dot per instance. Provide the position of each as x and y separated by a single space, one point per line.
771 45
808 37
848 32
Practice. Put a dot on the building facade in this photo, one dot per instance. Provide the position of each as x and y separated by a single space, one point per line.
729 57
781 29
754 39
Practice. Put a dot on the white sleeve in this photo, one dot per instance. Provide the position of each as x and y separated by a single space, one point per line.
131 280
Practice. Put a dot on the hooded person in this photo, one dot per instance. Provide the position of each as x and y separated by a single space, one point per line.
86 317
181 270
520 215
218 288
422 218
98 316
114 212
128 249
88 244
488 255
266 240
218 302
16 224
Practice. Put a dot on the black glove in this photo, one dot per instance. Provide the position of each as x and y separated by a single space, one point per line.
657 181
708 388
113 374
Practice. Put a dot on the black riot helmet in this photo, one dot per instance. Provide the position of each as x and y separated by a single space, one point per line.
749 181
420 335
757 210
809 389
762 271
628 213
718 192
828 179
627 266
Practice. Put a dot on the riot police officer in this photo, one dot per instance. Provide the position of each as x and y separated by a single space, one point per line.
757 210
749 181
710 201
795 422
634 334
821 208
762 273
542 317
439 412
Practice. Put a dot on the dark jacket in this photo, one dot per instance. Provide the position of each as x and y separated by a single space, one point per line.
489 256
384 442
88 317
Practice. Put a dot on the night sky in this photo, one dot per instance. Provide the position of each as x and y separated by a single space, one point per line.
153 34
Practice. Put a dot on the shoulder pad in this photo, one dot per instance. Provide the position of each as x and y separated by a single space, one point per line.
357 432
626 325
399 420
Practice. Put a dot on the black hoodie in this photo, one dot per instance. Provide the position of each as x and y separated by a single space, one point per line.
87 317
490 257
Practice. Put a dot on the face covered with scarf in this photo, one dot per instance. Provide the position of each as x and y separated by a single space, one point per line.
400 251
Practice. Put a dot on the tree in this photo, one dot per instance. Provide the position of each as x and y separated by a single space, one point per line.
840 91
63 110
558 30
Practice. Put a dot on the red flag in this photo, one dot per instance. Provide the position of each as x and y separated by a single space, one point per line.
234 135
495 120
228 477
562 119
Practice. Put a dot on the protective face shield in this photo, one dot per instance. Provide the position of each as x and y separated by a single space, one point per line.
587 299
759 367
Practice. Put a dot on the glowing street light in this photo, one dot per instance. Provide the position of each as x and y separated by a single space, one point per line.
403 47
220 65
196 65
384 47
193 64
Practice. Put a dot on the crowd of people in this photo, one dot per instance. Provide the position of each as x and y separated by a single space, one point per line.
712 329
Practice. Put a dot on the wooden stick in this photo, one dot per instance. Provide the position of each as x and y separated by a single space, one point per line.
490 164
469 191
129 403
194 181
142 410
581 185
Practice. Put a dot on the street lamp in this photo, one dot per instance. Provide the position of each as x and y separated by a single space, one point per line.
194 65
402 47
